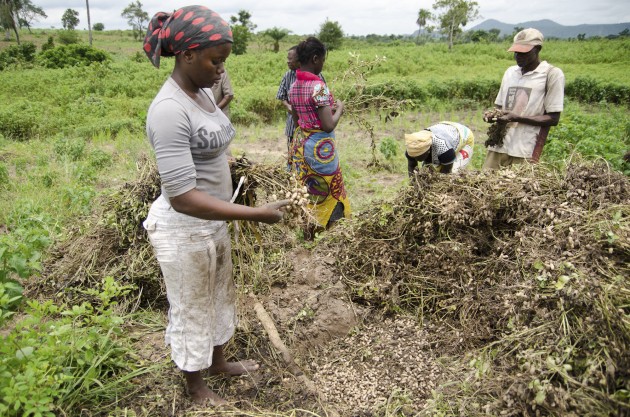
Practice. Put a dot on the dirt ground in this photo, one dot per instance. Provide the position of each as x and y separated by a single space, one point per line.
360 363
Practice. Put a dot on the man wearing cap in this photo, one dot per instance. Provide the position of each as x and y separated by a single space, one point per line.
447 145
531 100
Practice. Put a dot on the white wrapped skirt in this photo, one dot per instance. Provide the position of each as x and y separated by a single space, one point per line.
196 262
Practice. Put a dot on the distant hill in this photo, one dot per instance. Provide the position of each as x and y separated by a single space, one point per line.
551 29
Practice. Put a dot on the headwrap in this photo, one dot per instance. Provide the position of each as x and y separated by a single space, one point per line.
418 143
191 27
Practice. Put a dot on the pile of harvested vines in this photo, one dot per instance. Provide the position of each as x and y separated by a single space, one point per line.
111 241
521 274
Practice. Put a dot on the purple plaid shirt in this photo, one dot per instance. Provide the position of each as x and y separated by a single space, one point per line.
306 95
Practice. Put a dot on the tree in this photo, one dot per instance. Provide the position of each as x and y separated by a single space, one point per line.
8 18
493 34
424 16
453 14
277 34
515 31
28 13
136 18
483 36
87 6
98 27
242 28
331 34
70 19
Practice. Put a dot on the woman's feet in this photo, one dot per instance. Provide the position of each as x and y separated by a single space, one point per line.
199 391
234 368
197 388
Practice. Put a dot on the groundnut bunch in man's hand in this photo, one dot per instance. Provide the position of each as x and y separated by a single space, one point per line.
492 116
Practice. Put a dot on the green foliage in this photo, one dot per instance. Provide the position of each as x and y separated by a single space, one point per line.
267 108
99 27
424 17
276 34
64 358
99 159
67 37
79 196
70 19
389 148
242 29
481 90
71 55
10 298
23 54
241 37
4 175
136 18
590 90
69 148
21 250
19 121
331 34
605 134
50 44
453 14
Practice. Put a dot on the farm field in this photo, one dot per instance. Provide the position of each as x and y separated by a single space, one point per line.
469 295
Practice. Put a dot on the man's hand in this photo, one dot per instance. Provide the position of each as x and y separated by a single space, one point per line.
492 116
508 117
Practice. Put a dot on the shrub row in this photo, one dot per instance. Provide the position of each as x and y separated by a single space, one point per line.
584 89
61 56
23 54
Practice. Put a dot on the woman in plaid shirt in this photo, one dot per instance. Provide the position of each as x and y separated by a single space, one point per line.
314 156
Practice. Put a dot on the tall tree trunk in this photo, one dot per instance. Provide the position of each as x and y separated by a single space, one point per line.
450 35
8 19
87 5
17 33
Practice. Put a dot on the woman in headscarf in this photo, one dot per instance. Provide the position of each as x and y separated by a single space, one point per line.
187 223
447 146
314 155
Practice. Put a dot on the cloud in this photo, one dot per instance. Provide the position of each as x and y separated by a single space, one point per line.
358 17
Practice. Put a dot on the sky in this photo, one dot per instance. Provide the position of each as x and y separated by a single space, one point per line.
356 17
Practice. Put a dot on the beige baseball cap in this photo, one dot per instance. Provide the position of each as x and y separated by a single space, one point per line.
525 40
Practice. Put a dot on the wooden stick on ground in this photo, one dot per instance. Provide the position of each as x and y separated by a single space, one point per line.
274 337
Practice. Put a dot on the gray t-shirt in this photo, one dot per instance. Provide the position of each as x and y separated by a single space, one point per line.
189 144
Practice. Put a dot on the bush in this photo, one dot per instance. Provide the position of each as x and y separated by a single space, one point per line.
98 27
73 149
267 108
389 148
17 55
68 37
589 90
71 55
18 124
4 175
60 358
50 44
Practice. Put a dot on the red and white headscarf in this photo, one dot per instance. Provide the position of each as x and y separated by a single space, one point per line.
191 27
